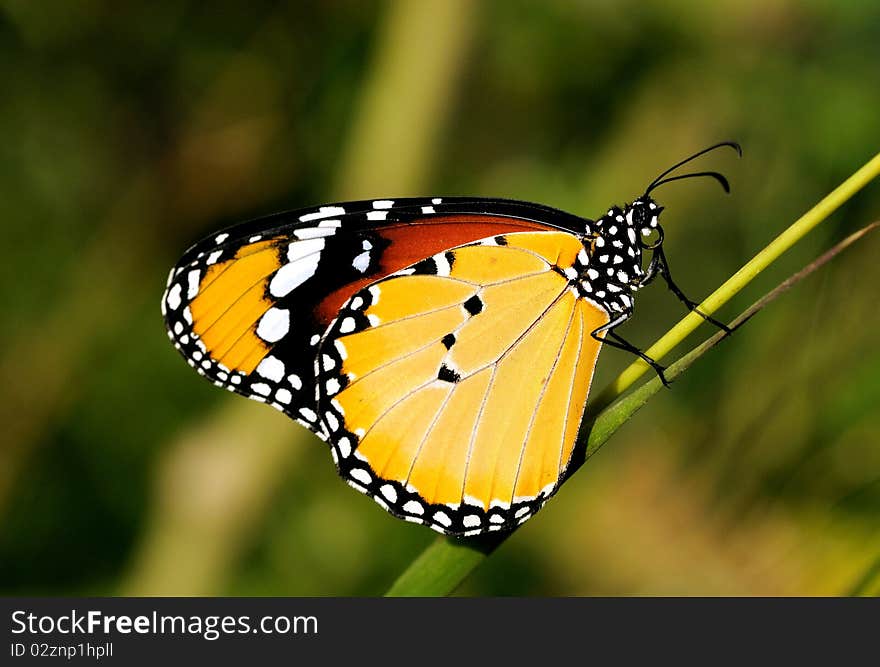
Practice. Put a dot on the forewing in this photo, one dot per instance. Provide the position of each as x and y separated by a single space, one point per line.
246 307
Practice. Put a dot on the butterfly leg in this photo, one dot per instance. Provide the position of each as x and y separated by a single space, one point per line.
611 338
662 267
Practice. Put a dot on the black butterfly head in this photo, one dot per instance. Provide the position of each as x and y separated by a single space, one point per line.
613 244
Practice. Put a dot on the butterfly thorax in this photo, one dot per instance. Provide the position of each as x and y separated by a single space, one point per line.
610 268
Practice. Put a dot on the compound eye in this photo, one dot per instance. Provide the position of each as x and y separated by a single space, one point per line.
651 237
640 217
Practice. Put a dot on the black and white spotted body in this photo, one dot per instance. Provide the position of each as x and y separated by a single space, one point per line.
613 256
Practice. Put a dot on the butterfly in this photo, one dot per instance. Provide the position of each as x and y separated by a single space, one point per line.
443 347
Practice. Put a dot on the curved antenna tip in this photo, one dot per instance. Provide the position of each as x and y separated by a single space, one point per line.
718 177
735 146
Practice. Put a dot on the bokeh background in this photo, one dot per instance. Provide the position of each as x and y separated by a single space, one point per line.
129 131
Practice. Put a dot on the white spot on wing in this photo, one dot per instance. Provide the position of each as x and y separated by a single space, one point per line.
344 445
300 249
274 325
173 298
413 507
314 232
361 475
442 518
271 368
192 284
362 261
261 388
292 275
442 263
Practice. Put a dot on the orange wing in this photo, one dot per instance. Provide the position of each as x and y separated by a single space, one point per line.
452 391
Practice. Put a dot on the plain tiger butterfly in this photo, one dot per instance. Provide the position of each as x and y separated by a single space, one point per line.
443 347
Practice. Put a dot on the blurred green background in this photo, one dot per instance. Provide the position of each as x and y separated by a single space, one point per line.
129 131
